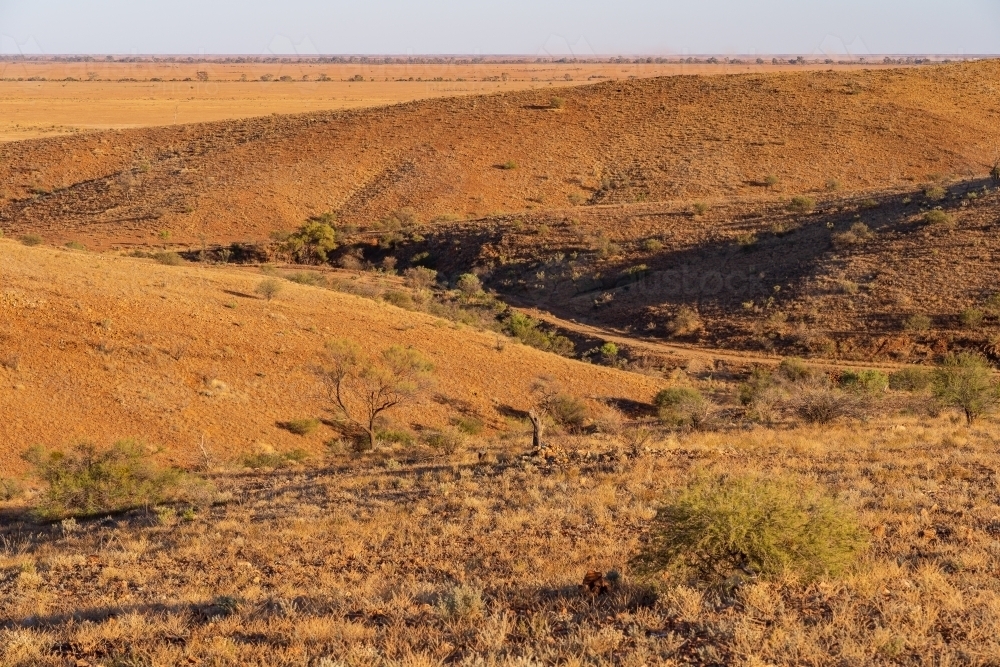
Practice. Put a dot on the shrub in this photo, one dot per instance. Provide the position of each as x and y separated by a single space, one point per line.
609 352
301 426
528 330
313 242
865 381
936 193
469 425
396 436
818 403
700 208
965 381
725 529
794 370
31 240
917 322
461 602
771 180
685 323
801 204
420 277
469 284
87 482
568 411
168 258
399 299
509 164
311 278
75 245
937 217
652 245
910 379
268 288
971 318
557 103
683 406
448 441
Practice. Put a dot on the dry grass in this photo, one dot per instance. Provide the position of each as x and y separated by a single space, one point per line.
459 560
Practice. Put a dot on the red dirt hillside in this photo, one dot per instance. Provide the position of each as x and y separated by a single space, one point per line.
641 140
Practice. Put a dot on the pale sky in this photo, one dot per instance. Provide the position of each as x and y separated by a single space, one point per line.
527 27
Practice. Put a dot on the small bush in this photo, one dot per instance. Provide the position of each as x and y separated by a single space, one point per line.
771 180
168 258
726 529
268 288
971 318
75 245
469 425
683 406
917 322
965 381
311 278
420 277
399 299
700 208
685 323
865 381
87 482
396 436
448 441
801 204
938 218
936 193
652 245
818 403
469 284
527 330
557 103
568 411
301 426
31 240
794 370
461 603
910 379
509 165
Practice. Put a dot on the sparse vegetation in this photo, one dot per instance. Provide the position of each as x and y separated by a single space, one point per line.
918 322
268 288
168 258
85 481
684 406
419 277
965 381
31 240
509 165
935 193
729 530
686 322
869 382
938 218
910 379
528 330
303 427
971 318
362 389
557 103
700 208
802 204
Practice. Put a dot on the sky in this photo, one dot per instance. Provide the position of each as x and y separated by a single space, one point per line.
524 27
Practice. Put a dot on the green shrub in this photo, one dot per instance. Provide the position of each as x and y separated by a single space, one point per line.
399 299
726 529
314 241
865 381
268 459
794 370
420 277
917 322
469 425
910 379
771 180
301 426
527 330
683 406
268 288
937 217
760 380
971 318
31 240
87 482
568 411
802 204
936 193
469 284
168 258
509 164
449 441
965 381
461 603
652 245
311 278
609 352
396 436
700 208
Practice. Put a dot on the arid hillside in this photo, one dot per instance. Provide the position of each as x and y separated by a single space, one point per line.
672 139
98 348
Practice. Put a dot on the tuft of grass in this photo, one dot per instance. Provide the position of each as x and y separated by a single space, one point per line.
652 245
303 427
31 240
557 103
75 245
86 482
469 425
509 165
771 180
700 208
728 529
938 218
971 318
936 193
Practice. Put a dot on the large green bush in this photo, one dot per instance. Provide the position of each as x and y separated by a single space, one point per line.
683 406
965 381
88 482
729 528
528 330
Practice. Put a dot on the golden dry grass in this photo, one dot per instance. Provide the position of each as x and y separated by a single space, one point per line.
360 563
